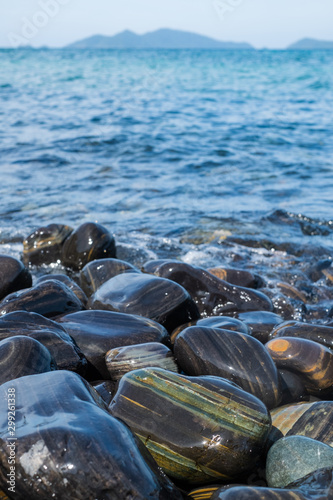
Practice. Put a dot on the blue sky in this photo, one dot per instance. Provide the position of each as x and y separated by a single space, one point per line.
264 23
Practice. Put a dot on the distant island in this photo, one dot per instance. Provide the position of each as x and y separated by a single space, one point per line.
160 39
311 44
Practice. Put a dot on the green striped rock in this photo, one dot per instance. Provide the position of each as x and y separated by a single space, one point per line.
198 429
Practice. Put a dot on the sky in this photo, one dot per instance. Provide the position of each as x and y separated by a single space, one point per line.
263 23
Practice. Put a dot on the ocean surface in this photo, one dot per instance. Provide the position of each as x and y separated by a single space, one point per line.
198 155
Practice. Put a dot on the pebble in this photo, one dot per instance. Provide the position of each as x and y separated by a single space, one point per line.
97 332
13 276
232 355
197 428
96 273
294 457
44 245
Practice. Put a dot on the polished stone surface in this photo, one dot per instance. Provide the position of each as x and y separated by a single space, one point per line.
96 273
50 299
13 276
260 323
49 333
235 356
68 282
318 333
294 457
96 332
311 361
199 429
44 245
70 447
21 355
159 299
212 295
122 360
88 242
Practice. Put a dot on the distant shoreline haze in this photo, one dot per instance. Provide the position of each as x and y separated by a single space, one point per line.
175 39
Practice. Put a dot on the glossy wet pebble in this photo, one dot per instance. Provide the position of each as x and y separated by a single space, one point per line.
318 333
235 356
20 356
292 387
49 333
13 276
293 458
237 277
125 359
97 332
313 420
96 273
212 295
69 283
197 428
50 299
225 323
44 245
159 299
312 361
88 242
260 323
66 456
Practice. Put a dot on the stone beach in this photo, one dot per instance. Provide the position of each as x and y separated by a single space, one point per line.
137 379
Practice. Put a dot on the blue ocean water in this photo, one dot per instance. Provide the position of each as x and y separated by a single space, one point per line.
180 146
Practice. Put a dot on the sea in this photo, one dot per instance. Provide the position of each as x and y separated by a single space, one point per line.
216 158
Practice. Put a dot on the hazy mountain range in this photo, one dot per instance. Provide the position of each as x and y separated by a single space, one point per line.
160 39
311 44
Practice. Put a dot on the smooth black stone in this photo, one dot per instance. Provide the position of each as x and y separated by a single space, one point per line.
68 282
44 245
212 295
13 276
225 323
88 242
105 389
238 277
317 333
21 356
232 355
293 388
96 332
52 335
260 323
259 493
69 447
97 272
159 299
50 299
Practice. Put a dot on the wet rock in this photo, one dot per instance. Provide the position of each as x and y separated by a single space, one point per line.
225 323
313 420
310 360
203 492
70 447
96 332
212 295
293 458
20 356
88 242
237 277
292 387
159 299
68 282
260 323
13 276
105 389
125 359
292 292
52 335
50 299
258 493
44 245
97 272
235 356
317 333
197 428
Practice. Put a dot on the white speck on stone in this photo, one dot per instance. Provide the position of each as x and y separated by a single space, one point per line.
33 459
